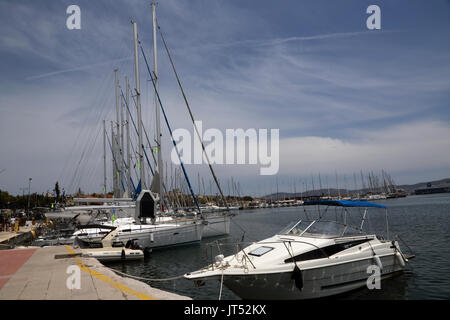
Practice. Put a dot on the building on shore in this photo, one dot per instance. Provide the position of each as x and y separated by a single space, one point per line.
431 188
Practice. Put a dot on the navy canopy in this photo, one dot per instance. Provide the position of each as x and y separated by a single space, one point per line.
343 203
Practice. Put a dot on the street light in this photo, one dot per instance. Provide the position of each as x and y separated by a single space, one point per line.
29 189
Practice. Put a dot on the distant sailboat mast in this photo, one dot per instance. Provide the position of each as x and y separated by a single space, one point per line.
114 178
116 142
127 126
138 99
158 124
192 117
104 159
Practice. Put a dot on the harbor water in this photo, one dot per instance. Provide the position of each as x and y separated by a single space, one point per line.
422 222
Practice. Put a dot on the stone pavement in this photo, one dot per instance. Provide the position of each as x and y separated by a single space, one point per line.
35 274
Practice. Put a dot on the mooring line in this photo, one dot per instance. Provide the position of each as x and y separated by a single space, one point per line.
148 279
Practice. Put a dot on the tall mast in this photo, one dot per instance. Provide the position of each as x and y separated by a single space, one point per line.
193 122
122 147
113 164
138 99
127 126
104 159
158 125
337 186
117 135
116 84
328 187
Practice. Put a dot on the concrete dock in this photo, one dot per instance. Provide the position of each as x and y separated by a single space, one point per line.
35 274
11 238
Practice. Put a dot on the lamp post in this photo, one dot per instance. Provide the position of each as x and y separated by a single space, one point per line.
29 190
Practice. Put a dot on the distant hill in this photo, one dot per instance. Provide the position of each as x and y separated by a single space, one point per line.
422 185
409 188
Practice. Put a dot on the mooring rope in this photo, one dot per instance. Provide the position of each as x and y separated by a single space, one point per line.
221 286
142 278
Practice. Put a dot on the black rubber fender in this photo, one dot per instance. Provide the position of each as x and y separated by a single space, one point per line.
298 277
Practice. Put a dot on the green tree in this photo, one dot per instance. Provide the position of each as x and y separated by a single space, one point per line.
57 191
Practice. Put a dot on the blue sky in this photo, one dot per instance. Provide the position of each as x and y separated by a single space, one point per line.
345 98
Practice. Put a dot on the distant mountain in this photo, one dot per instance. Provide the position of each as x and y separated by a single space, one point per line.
422 185
409 188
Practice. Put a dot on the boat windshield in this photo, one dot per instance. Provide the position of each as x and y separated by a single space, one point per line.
319 229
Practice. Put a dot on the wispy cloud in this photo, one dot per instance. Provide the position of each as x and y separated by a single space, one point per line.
86 67
279 41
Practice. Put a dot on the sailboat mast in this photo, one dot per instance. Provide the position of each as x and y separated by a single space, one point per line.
123 167
104 159
127 127
117 135
157 118
113 164
116 84
138 99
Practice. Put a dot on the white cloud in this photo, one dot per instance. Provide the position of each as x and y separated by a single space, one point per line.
416 146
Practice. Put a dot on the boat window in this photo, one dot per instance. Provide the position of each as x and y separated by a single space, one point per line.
289 227
260 251
320 229
325 252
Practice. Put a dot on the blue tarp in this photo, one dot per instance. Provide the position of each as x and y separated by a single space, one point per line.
343 203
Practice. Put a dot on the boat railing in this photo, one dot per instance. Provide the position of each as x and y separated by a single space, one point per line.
315 228
217 249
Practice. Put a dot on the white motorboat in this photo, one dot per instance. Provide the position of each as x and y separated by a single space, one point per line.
108 250
113 254
309 259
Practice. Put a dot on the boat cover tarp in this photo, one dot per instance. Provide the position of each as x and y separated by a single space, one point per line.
343 203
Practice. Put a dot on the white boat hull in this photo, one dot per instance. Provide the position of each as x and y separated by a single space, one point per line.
266 269
217 226
154 238
113 254
317 283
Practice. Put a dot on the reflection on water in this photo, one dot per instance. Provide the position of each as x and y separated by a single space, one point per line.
423 222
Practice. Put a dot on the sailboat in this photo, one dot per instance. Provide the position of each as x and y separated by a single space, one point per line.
154 234
150 228
217 222
144 227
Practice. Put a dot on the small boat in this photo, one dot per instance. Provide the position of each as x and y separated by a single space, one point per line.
309 259
108 249
113 254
